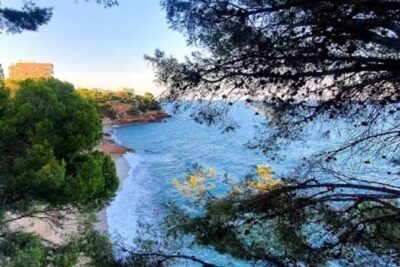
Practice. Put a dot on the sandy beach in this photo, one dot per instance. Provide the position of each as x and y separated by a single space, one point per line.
53 227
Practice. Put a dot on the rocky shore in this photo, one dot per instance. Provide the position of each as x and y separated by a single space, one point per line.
150 116
123 117
109 147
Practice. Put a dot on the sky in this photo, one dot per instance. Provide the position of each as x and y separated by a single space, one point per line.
96 47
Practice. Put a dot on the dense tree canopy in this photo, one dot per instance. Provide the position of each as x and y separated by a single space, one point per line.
326 68
47 138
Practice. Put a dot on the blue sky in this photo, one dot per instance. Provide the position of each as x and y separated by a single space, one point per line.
95 47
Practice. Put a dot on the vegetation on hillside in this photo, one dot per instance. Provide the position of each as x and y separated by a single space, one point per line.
105 99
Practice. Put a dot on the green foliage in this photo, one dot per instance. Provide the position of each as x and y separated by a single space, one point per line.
148 102
99 249
4 95
30 17
312 67
107 111
134 111
26 250
94 178
48 134
22 250
148 96
284 229
148 105
66 256
38 173
105 99
102 96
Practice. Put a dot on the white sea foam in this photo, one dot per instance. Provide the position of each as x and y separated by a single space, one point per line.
135 204
133 160
115 138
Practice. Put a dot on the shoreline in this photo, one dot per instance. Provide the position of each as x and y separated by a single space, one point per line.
67 221
122 167
117 152
125 119
109 147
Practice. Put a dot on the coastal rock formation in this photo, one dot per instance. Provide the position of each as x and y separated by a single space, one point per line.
150 116
124 117
109 147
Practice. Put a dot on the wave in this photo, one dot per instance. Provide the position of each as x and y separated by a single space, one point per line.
133 161
136 204
112 131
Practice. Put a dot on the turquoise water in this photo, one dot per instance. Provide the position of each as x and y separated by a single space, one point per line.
167 150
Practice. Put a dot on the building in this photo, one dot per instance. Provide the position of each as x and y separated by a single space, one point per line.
25 70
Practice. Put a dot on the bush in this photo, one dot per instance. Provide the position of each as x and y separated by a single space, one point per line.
148 104
107 111
134 111
23 250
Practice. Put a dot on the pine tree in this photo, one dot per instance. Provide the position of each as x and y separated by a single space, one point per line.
325 67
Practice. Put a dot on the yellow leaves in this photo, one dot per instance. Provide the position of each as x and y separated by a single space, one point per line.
263 185
267 183
196 183
192 180
264 172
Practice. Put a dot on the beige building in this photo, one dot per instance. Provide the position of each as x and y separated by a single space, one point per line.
25 70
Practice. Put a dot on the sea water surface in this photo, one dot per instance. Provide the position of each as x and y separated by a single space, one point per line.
167 150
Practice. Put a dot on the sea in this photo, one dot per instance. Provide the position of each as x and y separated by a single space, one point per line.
168 149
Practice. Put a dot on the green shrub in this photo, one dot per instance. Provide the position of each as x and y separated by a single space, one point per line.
134 111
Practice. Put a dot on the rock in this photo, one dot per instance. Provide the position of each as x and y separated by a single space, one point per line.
109 147
123 116
151 116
